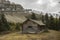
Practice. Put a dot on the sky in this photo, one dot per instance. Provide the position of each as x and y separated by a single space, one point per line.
40 5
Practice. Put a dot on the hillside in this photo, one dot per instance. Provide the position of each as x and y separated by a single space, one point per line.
51 35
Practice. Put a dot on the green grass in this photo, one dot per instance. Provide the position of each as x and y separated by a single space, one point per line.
51 35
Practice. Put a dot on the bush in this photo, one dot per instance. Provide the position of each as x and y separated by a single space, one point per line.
18 26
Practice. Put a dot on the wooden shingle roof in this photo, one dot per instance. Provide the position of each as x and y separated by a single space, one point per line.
35 21
38 22
21 19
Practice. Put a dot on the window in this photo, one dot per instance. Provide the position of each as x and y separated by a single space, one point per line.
29 26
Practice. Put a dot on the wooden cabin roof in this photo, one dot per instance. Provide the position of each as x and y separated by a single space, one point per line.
15 19
21 19
35 21
38 22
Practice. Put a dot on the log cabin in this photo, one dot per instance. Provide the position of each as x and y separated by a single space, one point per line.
33 26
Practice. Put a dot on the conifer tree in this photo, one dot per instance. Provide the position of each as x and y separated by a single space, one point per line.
47 20
4 26
33 16
59 23
51 23
42 18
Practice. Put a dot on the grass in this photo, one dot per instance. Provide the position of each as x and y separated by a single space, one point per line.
51 35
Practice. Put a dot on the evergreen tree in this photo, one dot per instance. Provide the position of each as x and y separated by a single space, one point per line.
56 24
4 26
51 23
33 16
46 20
42 18
59 23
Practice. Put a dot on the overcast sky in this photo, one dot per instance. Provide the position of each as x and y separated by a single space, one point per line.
41 5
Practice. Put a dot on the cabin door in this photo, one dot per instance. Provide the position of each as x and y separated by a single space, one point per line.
30 29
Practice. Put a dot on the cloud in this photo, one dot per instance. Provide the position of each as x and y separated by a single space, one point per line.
44 5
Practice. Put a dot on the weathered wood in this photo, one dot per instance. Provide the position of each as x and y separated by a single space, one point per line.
30 26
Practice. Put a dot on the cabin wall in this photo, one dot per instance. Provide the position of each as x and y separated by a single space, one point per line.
30 23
